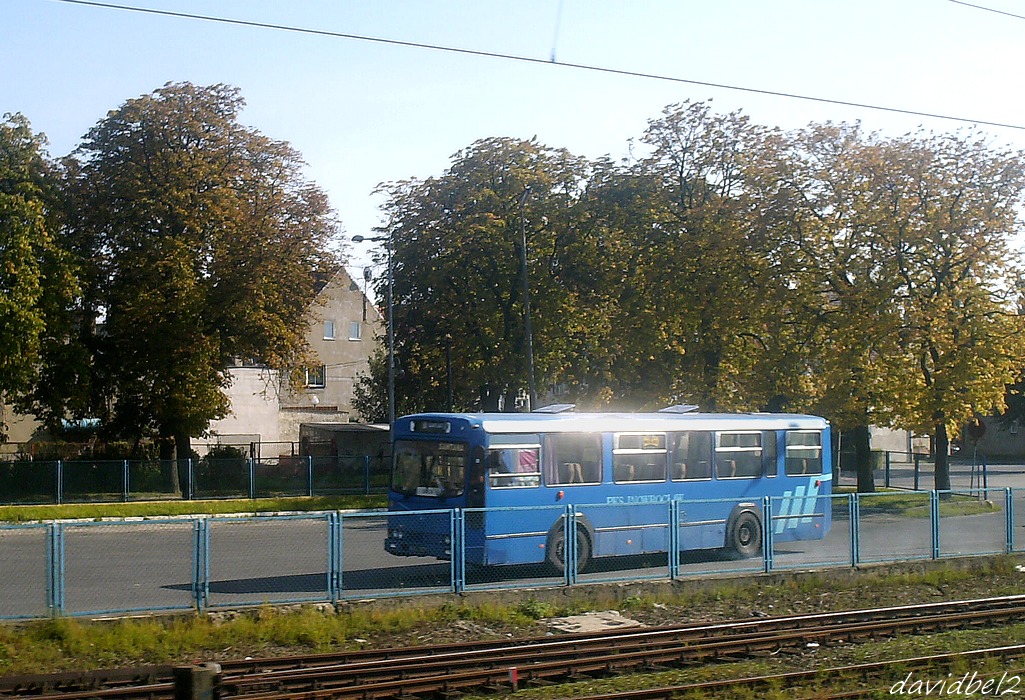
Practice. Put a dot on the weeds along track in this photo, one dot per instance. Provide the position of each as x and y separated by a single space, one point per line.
447 669
924 677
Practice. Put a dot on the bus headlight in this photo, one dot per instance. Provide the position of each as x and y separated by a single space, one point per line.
395 534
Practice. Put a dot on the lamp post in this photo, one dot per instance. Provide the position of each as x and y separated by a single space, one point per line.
391 322
531 391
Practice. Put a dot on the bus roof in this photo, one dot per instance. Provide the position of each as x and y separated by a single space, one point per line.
571 422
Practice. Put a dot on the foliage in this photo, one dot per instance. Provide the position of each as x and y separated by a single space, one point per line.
736 267
457 243
36 281
200 242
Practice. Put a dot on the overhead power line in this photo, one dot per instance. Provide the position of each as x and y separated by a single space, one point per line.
987 9
528 59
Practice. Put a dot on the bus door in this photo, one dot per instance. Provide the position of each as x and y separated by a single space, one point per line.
507 533
639 521
702 525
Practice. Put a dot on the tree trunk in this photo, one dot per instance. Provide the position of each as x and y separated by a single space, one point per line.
509 405
861 438
182 445
183 453
168 463
941 442
489 399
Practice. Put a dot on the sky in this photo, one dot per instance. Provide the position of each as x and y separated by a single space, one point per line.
368 112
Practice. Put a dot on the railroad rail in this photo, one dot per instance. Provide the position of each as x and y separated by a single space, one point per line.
450 668
861 680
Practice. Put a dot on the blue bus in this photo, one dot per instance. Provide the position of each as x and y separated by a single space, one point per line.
719 467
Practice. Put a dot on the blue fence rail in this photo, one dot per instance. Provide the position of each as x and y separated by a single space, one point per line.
96 481
219 562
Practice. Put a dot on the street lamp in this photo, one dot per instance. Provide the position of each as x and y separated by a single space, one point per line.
531 390
391 322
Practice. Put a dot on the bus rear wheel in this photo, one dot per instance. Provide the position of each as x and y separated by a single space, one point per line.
556 550
745 536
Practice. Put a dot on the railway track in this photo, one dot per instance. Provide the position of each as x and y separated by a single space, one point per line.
880 679
440 670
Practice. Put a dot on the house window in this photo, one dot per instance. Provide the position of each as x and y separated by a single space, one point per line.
355 330
316 377
329 330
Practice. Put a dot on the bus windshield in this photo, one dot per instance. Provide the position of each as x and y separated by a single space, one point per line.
427 468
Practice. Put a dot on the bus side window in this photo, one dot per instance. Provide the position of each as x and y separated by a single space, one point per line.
738 455
803 453
572 459
690 455
725 468
513 466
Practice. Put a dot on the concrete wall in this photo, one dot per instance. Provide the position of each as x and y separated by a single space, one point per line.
1000 442
254 410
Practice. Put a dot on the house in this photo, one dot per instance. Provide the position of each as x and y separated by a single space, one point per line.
343 328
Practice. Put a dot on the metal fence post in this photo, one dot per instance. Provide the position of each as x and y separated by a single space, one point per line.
59 481
200 563
190 477
674 540
918 462
339 554
55 569
252 478
1009 519
458 550
334 559
569 547
366 474
854 515
886 468
767 561
934 520
125 484
309 475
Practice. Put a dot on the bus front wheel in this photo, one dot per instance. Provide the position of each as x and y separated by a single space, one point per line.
556 550
745 536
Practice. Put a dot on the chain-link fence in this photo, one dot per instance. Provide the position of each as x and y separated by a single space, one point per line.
94 568
917 472
109 481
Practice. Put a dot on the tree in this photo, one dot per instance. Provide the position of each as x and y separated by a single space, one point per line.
36 282
458 273
200 242
709 286
956 202
822 193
